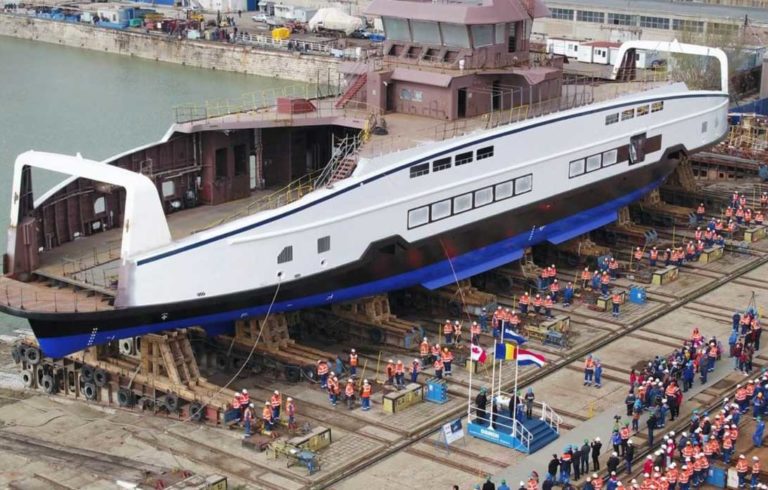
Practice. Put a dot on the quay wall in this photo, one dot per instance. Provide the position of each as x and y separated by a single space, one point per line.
203 54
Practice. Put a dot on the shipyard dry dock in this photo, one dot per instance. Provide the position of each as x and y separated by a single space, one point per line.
139 419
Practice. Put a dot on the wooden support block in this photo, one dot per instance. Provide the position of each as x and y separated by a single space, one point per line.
318 438
665 275
397 401
754 233
710 254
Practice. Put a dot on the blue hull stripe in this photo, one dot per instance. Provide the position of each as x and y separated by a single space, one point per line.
432 276
407 165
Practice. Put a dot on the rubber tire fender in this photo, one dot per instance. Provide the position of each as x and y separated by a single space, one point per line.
145 403
86 374
90 391
310 372
48 384
376 335
28 378
171 402
222 361
292 373
196 412
100 377
32 355
125 397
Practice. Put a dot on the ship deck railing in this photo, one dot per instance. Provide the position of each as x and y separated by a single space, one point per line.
45 296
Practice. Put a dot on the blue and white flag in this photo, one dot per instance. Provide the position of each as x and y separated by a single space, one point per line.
511 336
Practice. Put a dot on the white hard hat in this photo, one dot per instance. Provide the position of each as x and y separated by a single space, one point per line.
245 391
277 392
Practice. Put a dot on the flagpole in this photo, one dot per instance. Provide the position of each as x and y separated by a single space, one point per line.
493 380
514 394
469 390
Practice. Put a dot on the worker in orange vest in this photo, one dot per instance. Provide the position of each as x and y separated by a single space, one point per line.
742 469
457 332
290 411
747 217
353 362
439 368
474 331
759 218
764 200
447 361
266 416
514 321
237 403
424 349
349 393
755 471
700 212
390 370
333 389
448 331
653 257
613 268
247 419
740 215
616 301
322 373
554 290
638 257
525 300
589 370
276 401
604 281
585 275
435 352
548 304
537 304
365 395
400 373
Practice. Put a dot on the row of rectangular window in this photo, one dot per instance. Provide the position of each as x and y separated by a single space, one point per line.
594 162
468 201
286 254
631 113
614 18
445 163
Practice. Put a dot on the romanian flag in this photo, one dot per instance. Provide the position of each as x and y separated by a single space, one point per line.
505 351
526 358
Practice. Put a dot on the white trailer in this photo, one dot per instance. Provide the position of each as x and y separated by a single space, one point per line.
563 47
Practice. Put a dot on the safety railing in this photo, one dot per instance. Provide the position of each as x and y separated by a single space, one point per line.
522 434
95 258
549 416
289 193
344 150
35 297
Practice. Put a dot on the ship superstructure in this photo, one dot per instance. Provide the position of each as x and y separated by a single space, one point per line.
443 158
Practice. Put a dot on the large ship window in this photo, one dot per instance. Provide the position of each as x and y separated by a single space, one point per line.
523 184
504 190
463 158
611 119
419 170
593 162
657 106
610 157
418 217
483 196
286 255
637 149
441 164
486 152
462 203
642 110
441 209
576 167
627 114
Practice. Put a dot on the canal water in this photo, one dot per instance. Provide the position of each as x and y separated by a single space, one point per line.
67 100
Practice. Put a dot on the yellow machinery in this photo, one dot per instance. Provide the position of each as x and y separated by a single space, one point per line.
281 34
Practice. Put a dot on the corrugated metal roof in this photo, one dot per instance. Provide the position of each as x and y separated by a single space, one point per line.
656 8
487 12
